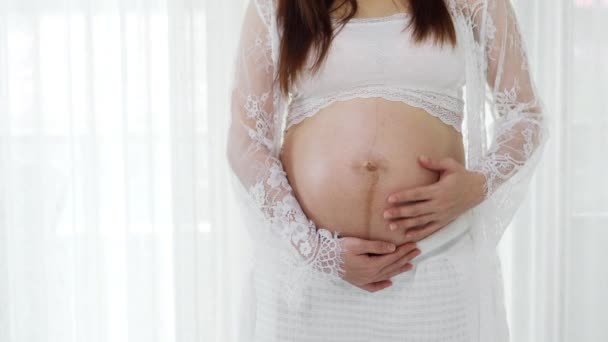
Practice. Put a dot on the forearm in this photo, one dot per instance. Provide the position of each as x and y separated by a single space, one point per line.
517 136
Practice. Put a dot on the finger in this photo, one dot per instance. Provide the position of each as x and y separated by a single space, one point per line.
385 260
377 286
414 194
398 264
411 209
437 164
416 234
404 268
375 247
411 222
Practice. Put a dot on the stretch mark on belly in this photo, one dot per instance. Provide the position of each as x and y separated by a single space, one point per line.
372 174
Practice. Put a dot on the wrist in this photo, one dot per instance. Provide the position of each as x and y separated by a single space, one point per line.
480 186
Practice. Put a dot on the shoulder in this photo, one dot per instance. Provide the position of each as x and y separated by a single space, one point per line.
469 7
259 15
476 5
266 10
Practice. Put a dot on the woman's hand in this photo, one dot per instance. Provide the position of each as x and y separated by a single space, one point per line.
373 272
423 210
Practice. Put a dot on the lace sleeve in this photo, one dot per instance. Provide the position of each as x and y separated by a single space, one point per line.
519 126
255 104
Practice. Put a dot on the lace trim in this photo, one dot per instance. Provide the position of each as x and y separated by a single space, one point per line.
392 17
447 108
265 9
312 252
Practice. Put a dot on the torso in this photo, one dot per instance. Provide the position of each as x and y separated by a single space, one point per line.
345 160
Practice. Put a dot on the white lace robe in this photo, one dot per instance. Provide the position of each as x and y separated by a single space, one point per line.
292 250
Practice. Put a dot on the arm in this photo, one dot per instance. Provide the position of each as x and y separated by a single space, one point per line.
255 105
519 125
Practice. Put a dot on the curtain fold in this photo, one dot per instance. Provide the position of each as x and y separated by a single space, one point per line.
113 225
555 280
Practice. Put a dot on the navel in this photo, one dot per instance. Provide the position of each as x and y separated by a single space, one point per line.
370 165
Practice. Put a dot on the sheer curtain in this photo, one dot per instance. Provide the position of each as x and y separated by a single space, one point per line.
113 217
554 252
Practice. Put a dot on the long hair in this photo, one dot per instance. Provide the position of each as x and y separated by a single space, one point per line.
307 24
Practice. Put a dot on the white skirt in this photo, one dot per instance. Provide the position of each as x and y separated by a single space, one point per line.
435 301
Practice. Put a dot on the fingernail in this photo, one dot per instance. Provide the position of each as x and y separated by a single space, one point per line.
392 226
387 214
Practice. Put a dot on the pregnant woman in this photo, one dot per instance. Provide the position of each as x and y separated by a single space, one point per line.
372 192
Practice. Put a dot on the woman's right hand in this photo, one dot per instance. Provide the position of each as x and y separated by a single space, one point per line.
373 272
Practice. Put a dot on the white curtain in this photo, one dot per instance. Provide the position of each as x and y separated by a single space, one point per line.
113 182
112 218
556 279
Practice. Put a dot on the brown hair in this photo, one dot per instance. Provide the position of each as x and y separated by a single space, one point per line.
307 24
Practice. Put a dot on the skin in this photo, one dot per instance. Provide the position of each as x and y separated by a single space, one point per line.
352 158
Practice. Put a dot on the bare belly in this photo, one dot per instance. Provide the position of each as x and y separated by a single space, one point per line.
344 162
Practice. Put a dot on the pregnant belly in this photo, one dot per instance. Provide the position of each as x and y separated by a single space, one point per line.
344 162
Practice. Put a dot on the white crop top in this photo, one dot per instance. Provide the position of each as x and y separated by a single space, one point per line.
377 57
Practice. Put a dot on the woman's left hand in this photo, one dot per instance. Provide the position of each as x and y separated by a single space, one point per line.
423 210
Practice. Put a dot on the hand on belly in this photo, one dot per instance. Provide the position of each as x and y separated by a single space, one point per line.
431 207
351 197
